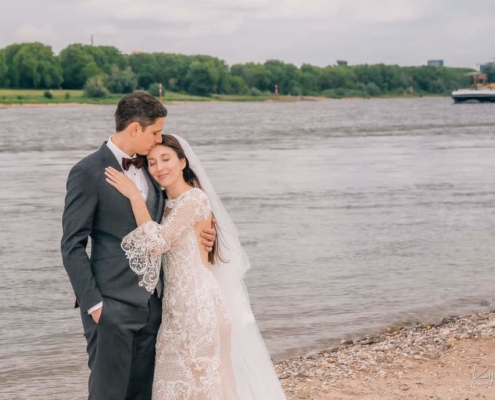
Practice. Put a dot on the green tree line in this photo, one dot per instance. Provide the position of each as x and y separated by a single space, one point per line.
103 69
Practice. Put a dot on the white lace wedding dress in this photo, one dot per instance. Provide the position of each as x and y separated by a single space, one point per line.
209 345
193 349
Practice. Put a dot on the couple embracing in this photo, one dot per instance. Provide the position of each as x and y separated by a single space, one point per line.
163 304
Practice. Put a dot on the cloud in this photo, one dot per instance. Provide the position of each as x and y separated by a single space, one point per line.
404 32
170 11
105 30
172 19
32 33
190 19
191 11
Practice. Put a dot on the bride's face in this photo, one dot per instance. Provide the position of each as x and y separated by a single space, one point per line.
165 166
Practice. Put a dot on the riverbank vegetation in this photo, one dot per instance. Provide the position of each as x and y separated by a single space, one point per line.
63 96
101 74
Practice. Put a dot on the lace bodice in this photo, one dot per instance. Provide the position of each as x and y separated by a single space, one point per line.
145 245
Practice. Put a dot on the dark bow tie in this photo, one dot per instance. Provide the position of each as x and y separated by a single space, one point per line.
138 162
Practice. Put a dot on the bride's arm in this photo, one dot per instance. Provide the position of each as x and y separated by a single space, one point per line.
152 237
126 186
145 245
155 239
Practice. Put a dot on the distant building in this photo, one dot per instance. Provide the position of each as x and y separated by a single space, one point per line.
484 67
435 63
342 63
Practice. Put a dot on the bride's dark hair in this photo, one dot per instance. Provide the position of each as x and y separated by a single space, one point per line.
190 178
188 174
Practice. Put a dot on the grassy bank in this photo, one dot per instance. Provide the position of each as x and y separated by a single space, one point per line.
14 96
20 96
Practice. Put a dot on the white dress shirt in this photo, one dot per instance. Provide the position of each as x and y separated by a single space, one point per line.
137 176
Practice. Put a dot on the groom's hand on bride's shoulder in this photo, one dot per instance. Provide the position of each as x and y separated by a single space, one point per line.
209 236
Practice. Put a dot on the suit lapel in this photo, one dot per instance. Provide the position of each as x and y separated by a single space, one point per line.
111 194
108 158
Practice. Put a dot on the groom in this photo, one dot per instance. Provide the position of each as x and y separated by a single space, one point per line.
119 317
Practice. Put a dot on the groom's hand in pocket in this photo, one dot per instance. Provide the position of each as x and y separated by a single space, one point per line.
96 314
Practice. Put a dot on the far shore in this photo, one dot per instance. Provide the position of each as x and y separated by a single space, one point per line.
34 104
46 105
286 99
453 359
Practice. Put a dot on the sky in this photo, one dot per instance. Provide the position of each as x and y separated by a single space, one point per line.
318 32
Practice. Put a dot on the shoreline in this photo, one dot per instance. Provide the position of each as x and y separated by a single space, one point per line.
213 100
15 105
452 359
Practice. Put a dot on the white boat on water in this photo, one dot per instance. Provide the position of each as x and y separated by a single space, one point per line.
482 91
481 95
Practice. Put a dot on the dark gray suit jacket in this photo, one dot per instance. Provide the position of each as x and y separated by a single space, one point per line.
93 208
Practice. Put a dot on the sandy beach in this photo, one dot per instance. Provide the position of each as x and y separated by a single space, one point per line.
451 360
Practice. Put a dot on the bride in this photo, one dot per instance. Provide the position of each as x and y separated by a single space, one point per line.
209 346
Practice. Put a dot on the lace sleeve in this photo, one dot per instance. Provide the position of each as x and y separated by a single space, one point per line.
145 245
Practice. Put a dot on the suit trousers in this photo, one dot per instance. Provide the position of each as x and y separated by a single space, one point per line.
121 349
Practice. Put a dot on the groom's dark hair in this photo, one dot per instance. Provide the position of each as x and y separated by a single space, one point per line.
138 107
